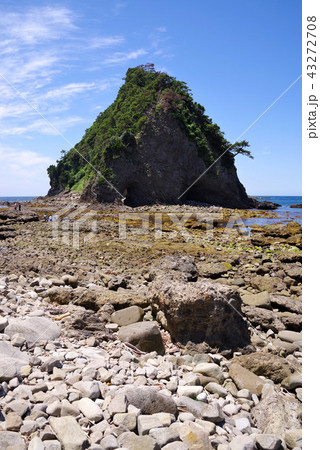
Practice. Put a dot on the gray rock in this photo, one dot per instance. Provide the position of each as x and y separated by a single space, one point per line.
178 445
118 404
164 436
190 379
261 300
264 318
243 424
292 381
69 433
13 421
36 444
50 363
211 270
12 440
109 442
190 391
201 410
145 335
281 302
68 409
54 409
149 400
52 445
128 420
147 422
210 427
213 412
283 347
127 316
17 340
231 409
90 409
210 370
33 329
244 393
131 441
71 280
242 443
293 438
277 412
290 336
215 388
194 436
88 389
20 407
268 442
11 361
244 379
28 427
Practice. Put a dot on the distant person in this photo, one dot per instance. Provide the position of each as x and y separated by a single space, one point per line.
45 218
19 206
15 207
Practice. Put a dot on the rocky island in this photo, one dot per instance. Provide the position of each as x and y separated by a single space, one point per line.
149 146
153 322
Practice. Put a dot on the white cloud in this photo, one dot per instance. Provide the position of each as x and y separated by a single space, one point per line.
22 158
69 90
36 24
122 57
100 42
41 126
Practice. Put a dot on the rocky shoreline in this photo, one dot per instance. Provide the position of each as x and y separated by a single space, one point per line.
191 341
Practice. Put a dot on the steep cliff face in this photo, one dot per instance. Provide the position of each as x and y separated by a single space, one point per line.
156 160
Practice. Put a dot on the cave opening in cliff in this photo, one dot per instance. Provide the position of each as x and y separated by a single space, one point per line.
134 195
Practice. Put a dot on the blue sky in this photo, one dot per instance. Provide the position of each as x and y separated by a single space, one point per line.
68 60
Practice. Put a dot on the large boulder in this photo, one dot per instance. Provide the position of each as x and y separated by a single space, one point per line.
245 379
127 316
33 329
277 412
144 335
199 312
263 317
11 361
270 366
